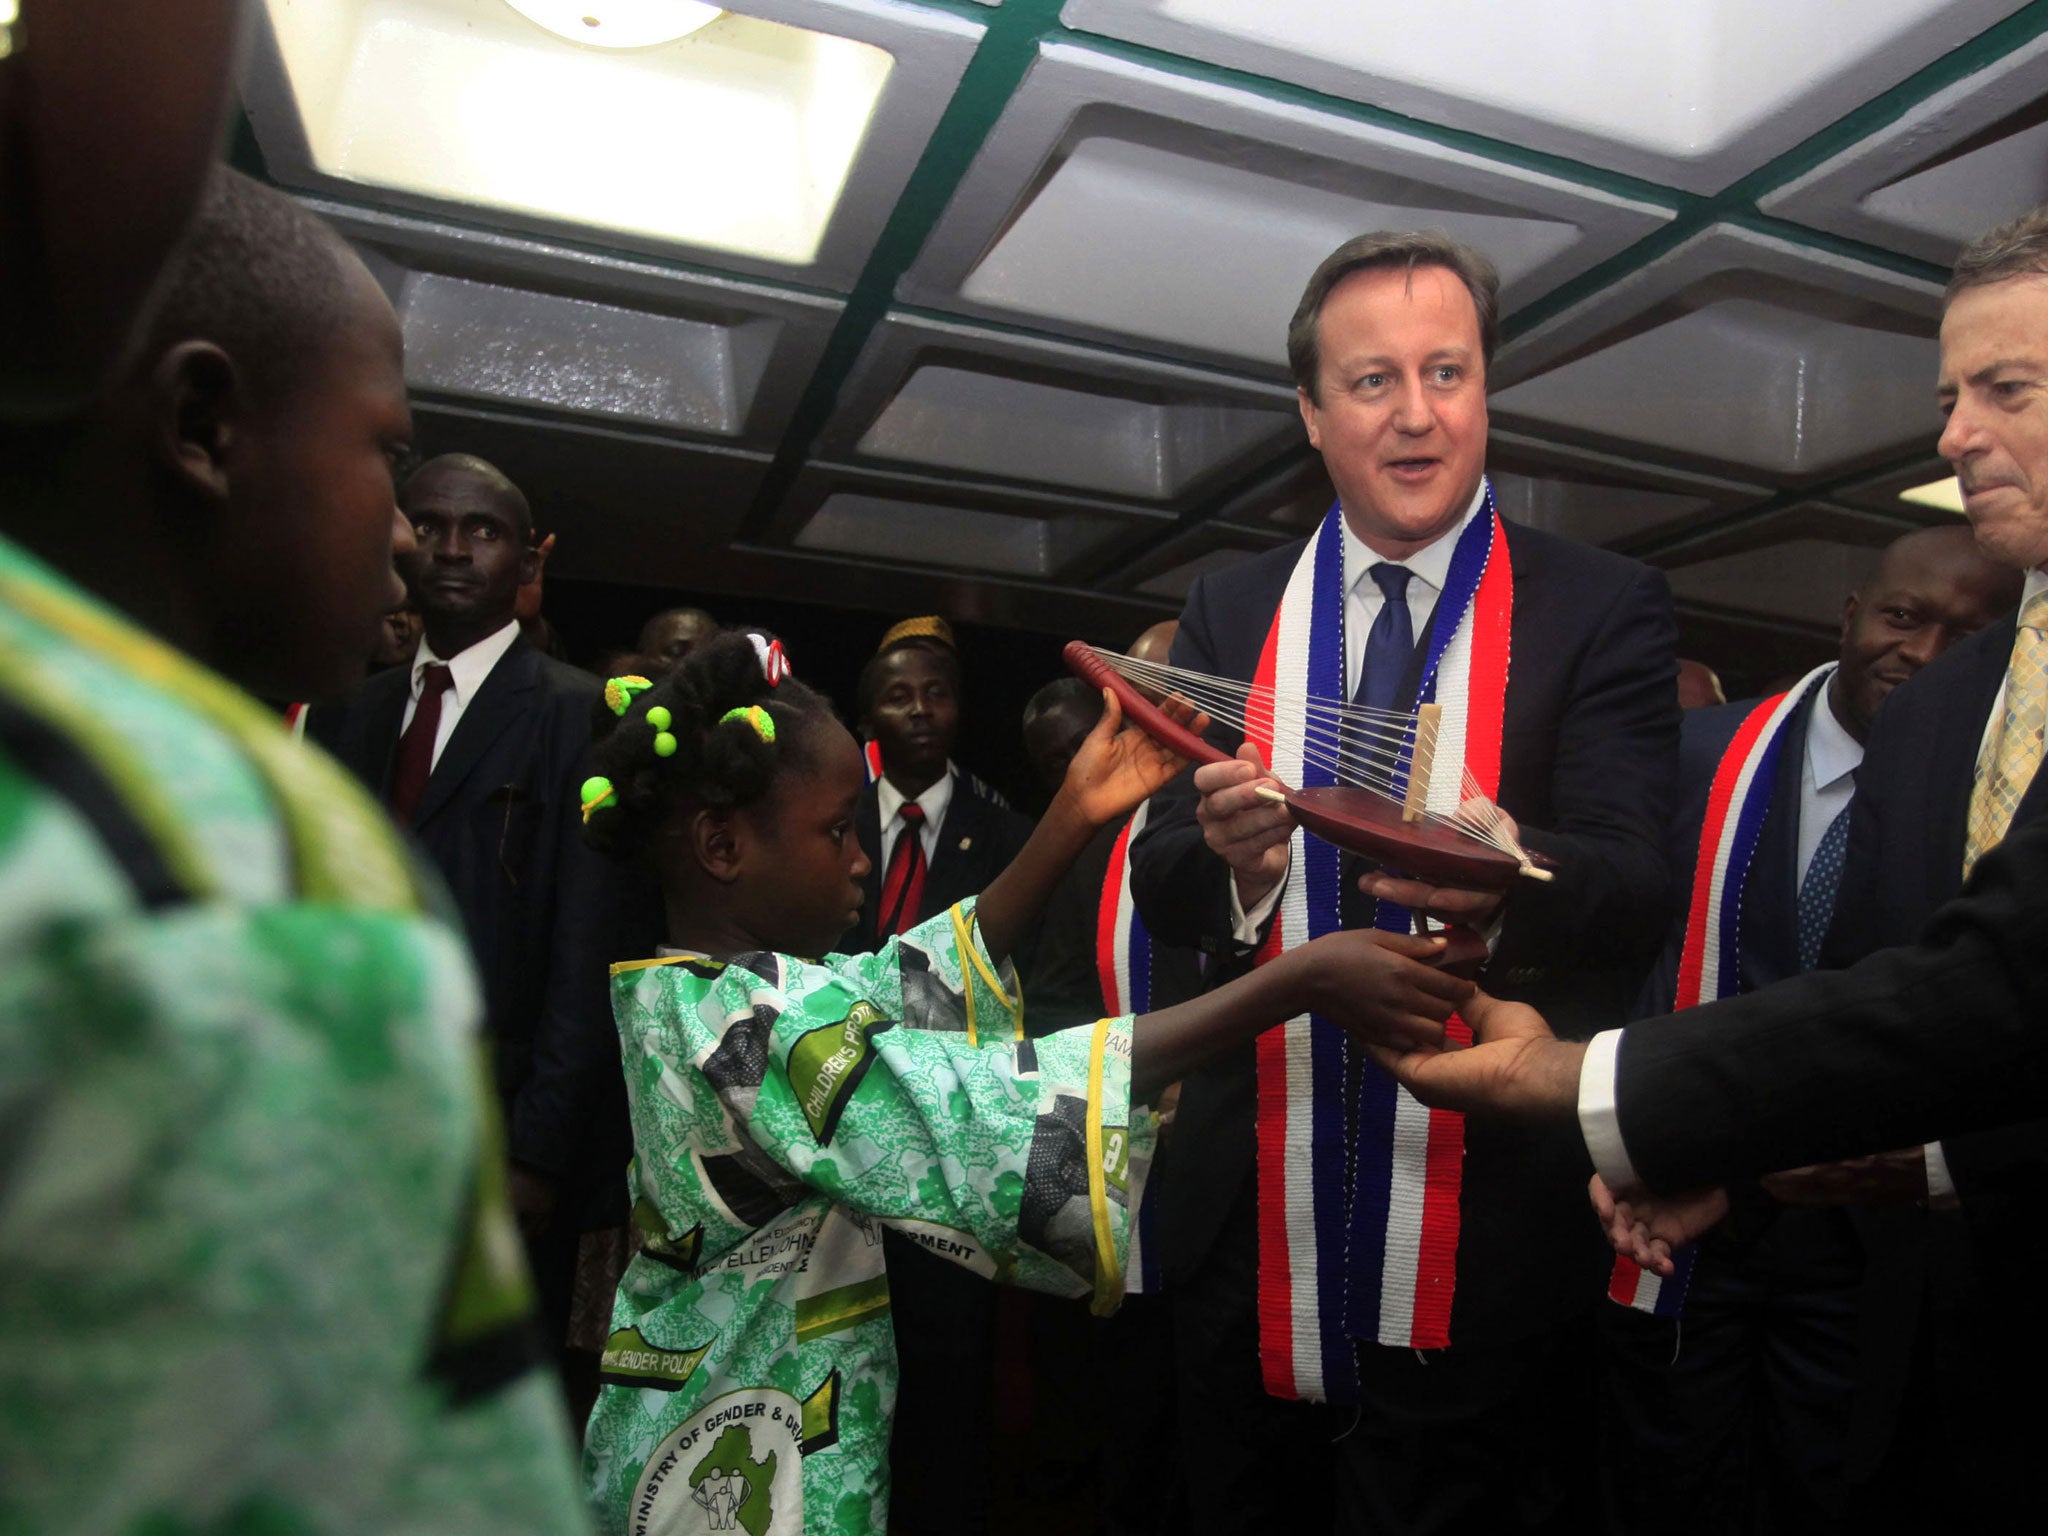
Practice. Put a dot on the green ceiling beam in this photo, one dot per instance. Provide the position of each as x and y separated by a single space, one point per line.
997 68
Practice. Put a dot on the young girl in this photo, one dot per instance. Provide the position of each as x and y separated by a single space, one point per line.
784 1108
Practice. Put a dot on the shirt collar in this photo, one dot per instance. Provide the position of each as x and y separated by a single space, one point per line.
2036 583
1431 564
889 799
468 667
1832 754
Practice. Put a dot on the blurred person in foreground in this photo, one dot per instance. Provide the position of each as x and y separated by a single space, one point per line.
257 1271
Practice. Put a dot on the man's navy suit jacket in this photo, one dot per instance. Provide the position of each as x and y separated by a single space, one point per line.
1588 765
501 819
977 840
1904 862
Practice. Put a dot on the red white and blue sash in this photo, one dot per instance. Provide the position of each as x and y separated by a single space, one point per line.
1710 963
1123 964
1358 1183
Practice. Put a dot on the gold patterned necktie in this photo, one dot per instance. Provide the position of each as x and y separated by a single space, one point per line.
2006 765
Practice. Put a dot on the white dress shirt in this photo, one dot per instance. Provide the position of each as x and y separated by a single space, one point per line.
889 801
1599 1121
1827 782
467 670
1363 600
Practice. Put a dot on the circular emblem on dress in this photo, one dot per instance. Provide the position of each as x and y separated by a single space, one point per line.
735 1465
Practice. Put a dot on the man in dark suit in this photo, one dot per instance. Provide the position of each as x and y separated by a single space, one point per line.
1390 347
1939 1041
933 839
479 747
1745 1426
908 701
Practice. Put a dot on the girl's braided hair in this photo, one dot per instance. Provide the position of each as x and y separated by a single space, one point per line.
716 761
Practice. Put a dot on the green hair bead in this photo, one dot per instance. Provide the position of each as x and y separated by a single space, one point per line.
664 745
619 692
660 718
754 715
597 793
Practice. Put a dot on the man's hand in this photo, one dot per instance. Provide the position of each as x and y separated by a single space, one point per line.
534 1197
1248 833
1447 904
527 603
1380 987
1647 1227
1889 1178
1117 768
1514 1065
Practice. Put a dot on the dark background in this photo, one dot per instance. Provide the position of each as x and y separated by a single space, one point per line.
827 647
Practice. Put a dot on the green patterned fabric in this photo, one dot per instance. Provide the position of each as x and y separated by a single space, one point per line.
783 1112
257 1271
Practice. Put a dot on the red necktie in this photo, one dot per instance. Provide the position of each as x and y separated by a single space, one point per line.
903 885
416 747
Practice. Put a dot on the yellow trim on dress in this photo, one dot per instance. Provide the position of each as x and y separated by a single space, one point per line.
964 941
1109 1273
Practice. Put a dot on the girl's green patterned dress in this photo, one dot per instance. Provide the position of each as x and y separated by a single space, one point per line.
783 1111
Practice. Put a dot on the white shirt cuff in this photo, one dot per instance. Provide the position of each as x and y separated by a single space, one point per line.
1599 1121
1941 1188
1245 927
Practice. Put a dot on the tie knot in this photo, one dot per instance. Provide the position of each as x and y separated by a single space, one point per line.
435 678
1392 580
912 813
2034 615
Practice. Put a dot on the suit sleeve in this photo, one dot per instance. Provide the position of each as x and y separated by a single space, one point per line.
1181 888
1612 780
1910 1045
575 1046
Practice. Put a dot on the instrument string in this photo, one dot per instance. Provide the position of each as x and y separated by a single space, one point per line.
1364 747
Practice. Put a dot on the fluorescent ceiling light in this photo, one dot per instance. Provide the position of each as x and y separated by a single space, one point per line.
738 138
1945 495
618 23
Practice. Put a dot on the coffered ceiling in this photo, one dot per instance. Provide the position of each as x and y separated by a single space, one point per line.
981 306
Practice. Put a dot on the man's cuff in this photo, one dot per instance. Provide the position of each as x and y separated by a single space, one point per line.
1941 1186
1599 1121
1246 927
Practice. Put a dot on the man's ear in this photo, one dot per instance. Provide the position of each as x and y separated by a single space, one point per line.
529 563
1849 606
196 404
1308 418
719 843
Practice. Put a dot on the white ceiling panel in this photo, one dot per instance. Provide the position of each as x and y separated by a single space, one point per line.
774 142
1117 201
496 318
1966 159
1695 93
995 406
1742 349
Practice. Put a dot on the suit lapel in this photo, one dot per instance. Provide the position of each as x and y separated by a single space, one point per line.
963 821
1952 765
502 699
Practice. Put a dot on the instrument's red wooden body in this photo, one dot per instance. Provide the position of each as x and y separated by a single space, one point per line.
1359 821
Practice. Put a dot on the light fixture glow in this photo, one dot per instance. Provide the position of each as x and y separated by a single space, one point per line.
1945 495
10 13
619 23
741 141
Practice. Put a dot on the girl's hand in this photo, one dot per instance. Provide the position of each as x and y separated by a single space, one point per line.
1381 987
1118 768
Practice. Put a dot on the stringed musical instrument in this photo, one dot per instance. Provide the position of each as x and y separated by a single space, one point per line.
1384 762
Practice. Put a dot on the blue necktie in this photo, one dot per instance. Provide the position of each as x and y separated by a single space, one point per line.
1389 648
1389 644
1817 890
